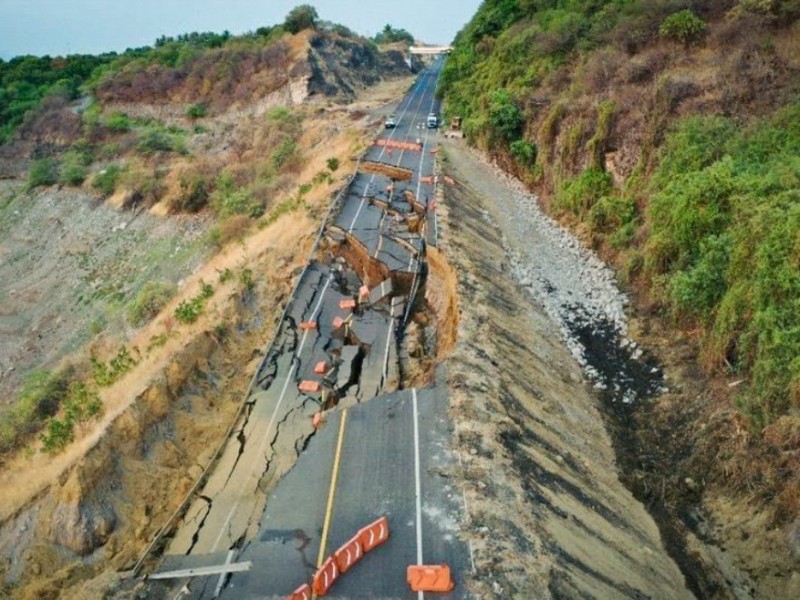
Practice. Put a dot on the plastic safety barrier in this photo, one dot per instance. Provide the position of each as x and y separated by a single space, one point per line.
363 292
321 368
307 385
348 555
301 593
338 322
347 303
325 577
428 179
374 534
429 578
317 420
306 325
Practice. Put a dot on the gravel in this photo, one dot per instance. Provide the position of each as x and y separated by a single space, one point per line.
577 290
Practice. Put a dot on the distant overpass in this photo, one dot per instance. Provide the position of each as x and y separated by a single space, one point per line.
429 50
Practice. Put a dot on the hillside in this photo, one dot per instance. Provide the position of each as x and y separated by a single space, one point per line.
665 133
153 215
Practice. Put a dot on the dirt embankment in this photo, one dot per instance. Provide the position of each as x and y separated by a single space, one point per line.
70 522
548 515
661 435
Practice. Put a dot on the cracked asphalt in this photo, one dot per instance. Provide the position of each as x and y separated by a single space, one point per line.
379 233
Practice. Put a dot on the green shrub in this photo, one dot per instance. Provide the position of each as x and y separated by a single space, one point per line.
80 405
106 180
188 311
43 172
579 195
332 163
227 200
283 153
246 279
301 17
73 167
105 374
153 141
149 301
118 121
193 193
683 26
524 152
505 117
40 398
196 111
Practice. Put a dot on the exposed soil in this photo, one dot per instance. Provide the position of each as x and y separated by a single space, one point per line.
71 521
661 413
548 515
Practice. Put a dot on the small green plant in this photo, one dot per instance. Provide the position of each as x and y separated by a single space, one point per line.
227 200
105 374
188 311
194 193
196 111
285 152
524 152
683 26
332 163
43 172
579 195
118 121
81 404
246 279
149 301
73 167
157 341
106 180
225 276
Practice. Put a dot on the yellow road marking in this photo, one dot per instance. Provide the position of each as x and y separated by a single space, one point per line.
332 491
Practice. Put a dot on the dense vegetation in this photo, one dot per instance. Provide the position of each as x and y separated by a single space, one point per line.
26 80
701 212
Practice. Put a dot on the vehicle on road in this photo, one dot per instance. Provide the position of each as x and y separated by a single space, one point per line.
391 122
433 121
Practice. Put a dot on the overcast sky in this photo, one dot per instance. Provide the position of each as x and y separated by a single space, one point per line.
58 27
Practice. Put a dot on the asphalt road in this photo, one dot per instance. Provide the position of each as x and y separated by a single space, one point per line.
268 496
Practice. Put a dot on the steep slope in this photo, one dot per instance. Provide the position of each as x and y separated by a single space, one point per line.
664 132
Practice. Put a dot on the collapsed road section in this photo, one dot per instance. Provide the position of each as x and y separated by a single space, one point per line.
337 346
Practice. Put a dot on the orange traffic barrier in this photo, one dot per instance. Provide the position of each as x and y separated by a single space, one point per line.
374 534
308 385
317 420
449 180
305 325
347 303
363 292
348 555
321 367
435 151
429 578
338 322
301 593
428 179
325 577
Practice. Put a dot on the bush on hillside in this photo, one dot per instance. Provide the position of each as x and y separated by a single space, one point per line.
683 26
301 17
149 301
44 171
106 180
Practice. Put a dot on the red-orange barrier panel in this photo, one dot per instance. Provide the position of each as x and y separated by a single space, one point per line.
301 593
347 303
374 534
308 385
325 577
306 325
348 555
429 578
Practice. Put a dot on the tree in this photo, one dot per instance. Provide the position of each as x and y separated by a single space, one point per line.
390 35
301 17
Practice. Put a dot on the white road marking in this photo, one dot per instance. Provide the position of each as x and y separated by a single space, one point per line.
221 582
274 414
417 483
383 149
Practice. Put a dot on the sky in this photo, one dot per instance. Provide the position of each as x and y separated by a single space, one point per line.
58 27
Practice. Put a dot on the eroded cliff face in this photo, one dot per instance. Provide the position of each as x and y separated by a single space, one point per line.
548 515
